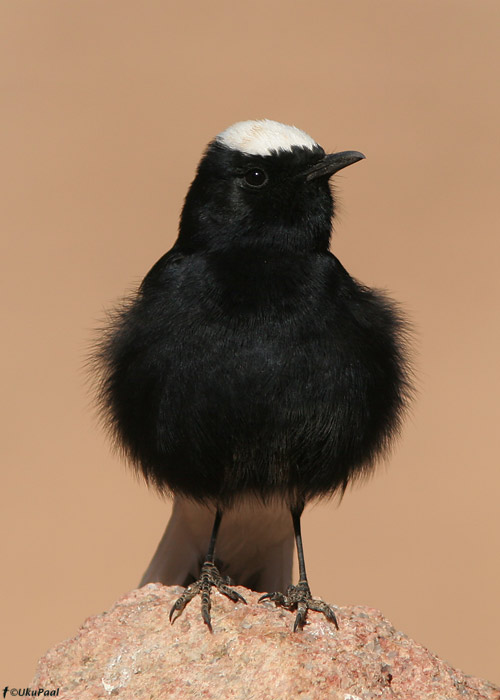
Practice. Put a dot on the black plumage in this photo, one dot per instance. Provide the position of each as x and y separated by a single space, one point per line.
250 364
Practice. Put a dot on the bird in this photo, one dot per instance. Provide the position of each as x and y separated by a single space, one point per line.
250 374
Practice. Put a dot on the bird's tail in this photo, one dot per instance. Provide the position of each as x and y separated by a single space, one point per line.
254 546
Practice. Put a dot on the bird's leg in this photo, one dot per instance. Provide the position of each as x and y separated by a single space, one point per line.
209 576
299 597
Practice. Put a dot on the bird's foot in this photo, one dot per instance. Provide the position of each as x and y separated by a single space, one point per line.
299 598
209 576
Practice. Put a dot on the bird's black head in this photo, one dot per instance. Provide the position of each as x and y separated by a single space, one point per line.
264 184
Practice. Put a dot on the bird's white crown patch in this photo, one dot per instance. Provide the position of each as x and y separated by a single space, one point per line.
263 136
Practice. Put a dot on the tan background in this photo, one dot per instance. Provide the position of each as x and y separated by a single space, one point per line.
105 108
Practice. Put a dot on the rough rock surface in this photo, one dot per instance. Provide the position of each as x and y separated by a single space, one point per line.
133 652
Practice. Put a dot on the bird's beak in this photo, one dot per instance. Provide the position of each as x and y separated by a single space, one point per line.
332 163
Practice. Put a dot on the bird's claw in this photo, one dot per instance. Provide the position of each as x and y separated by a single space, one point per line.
209 577
299 598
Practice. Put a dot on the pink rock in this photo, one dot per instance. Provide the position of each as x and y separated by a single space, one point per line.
134 652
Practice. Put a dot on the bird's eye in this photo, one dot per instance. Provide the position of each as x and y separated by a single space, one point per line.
255 178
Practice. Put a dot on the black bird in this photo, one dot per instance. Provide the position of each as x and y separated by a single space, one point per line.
250 373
